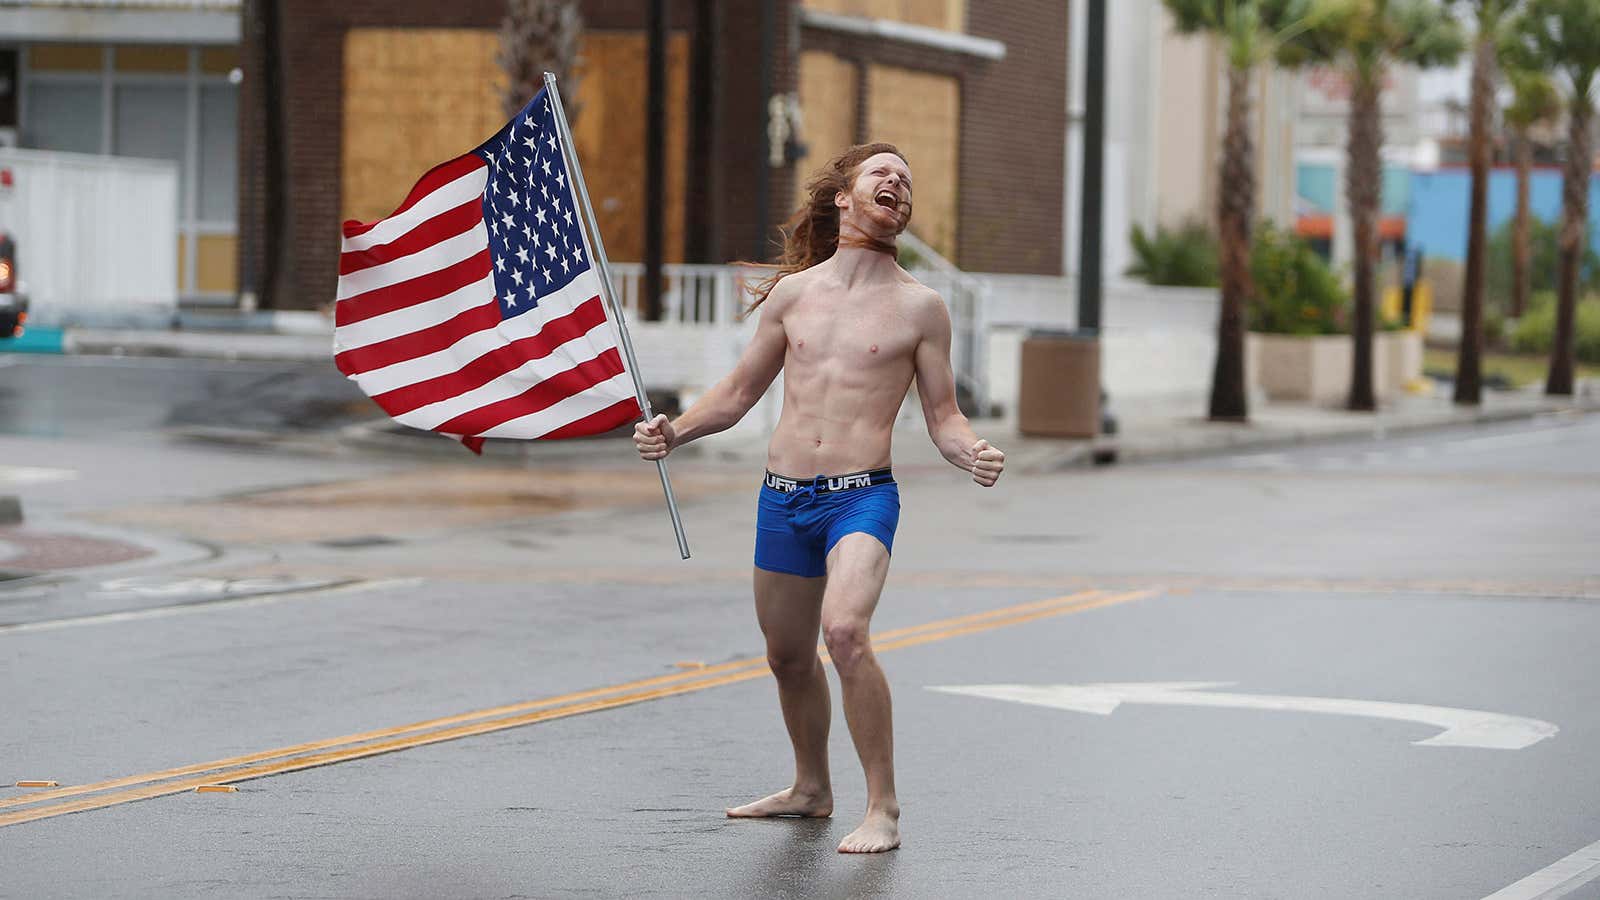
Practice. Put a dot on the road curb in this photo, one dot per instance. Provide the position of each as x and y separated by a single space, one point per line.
1151 448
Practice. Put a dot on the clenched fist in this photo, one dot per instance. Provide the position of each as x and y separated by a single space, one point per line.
987 463
655 438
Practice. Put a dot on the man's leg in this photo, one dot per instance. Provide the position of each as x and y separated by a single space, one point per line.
789 609
857 567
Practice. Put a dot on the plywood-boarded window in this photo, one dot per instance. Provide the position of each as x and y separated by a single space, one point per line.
828 109
414 98
920 112
613 77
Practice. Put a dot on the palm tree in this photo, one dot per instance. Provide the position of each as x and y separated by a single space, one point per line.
1252 32
1366 38
538 36
1492 16
1534 101
1564 35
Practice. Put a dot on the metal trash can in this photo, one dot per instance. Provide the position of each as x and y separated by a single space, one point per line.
1060 385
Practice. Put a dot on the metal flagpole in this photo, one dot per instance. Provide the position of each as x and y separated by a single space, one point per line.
597 252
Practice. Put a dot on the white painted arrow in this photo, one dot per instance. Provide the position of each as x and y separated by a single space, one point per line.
1462 727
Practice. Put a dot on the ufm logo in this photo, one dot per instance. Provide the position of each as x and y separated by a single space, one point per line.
849 481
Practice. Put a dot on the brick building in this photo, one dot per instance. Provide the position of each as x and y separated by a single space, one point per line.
974 91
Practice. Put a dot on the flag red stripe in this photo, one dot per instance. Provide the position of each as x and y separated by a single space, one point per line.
620 413
418 343
543 395
417 290
489 366
436 177
442 227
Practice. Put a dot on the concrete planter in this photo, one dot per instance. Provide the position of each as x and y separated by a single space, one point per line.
1400 353
1294 368
1316 369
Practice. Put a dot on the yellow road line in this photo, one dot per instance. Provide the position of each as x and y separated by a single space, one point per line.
577 704
757 662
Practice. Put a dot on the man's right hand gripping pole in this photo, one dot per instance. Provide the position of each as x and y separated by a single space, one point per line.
655 438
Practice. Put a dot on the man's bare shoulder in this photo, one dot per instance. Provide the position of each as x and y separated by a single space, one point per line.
785 292
923 303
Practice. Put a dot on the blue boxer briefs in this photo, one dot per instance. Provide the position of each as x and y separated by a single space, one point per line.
798 520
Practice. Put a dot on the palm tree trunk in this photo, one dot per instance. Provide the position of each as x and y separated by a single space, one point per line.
1520 249
1469 374
1363 185
1574 216
1235 207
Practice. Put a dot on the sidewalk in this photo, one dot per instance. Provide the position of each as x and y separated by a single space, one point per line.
1148 430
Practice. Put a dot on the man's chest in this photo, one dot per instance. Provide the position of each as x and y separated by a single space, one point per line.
839 333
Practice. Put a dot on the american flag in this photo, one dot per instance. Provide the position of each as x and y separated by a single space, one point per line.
474 309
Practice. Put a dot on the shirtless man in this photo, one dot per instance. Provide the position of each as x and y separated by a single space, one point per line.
850 329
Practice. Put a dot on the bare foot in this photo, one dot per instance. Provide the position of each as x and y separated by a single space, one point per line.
787 802
878 832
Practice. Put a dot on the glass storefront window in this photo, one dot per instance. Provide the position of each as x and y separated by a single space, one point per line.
219 153
62 116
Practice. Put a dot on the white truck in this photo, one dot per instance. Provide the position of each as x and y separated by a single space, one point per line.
95 237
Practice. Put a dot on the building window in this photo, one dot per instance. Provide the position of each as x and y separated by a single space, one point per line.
63 116
219 153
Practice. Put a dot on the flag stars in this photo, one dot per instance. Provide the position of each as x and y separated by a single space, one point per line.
540 215
531 293
516 199
577 255
527 234
516 275
500 263
550 250
551 140
564 265
522 255
561 179
568 217
546 166
510 222
546 273
532 143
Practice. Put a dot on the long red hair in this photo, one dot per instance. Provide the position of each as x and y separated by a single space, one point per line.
812 234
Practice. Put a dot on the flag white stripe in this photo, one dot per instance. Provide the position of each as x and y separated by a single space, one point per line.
602 395
579 350
469 348
431 259
409 319
443 199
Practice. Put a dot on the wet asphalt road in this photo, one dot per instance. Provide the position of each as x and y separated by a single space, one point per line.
1455 569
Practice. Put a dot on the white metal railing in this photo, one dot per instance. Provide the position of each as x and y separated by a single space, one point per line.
692 295
967 298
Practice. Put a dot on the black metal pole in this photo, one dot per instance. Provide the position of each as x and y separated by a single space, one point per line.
1094 134
655 160
769 47
700 219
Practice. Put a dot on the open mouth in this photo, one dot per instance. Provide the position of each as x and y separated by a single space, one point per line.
887 200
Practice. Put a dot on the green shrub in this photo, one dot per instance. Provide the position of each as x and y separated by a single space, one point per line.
1182 257
1536 330
1544 263
1296 292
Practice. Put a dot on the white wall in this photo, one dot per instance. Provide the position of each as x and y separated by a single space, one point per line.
96 237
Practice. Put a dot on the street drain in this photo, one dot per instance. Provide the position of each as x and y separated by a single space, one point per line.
353 543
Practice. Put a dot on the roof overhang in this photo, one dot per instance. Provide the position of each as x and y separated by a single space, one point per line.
902 33
121 21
